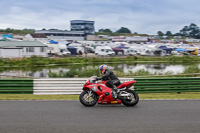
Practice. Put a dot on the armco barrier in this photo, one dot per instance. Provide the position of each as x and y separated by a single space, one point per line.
143 85
74 85
61 85
16 86
160 85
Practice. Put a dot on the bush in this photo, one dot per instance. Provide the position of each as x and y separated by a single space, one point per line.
192 69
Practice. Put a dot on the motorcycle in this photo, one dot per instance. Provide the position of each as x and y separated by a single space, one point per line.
94 91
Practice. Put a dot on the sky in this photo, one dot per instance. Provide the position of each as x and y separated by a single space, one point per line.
141 16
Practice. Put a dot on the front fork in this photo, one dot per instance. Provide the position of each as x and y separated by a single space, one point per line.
89 93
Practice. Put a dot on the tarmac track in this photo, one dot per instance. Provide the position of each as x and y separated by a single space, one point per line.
149 116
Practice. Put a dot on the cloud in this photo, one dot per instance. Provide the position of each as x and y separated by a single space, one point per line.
142 16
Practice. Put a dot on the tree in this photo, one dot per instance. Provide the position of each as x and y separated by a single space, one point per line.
184 31
123 30
168 33
105 31
191 31
101 30
160 33
177 34
8 30
194 31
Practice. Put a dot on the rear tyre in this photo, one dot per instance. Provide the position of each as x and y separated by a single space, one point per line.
133 100
88 98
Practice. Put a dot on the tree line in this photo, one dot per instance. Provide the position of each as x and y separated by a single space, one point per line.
192 31
16 31
187 31
121 30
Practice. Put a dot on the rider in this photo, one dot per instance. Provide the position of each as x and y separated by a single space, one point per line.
112 80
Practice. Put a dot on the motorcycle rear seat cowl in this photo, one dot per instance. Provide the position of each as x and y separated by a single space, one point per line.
124 84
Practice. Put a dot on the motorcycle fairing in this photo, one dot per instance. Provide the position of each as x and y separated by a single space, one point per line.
103 92
127 84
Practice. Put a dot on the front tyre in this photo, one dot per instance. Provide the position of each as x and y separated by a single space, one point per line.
132 100
88 98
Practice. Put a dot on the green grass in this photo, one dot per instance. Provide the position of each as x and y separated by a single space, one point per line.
183 95
41 61
188 95
37 97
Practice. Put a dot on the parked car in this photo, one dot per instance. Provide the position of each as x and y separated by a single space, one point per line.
104 50
130 51
58 49
90 49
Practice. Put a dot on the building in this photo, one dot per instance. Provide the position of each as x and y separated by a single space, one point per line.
83 25
192 40
134 39
19 49
36 37
92 38
78 32
55 34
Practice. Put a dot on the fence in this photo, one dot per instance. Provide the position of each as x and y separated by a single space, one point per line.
58 86
61 86
159 85
16 86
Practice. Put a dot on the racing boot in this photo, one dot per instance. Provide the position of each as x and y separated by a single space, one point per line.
116 90
114 95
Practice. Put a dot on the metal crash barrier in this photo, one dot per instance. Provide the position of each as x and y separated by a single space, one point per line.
164 85
59 86
16 86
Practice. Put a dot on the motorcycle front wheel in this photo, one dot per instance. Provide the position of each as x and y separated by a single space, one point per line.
88 98
132 100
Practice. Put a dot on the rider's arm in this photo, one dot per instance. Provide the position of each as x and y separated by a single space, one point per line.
106 75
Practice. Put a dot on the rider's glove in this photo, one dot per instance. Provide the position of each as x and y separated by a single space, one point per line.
98 78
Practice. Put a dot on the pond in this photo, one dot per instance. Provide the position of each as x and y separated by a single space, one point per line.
87 70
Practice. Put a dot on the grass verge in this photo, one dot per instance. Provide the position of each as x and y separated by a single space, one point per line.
183 95
188 95
41 61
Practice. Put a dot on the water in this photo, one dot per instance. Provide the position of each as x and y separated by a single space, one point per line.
77 69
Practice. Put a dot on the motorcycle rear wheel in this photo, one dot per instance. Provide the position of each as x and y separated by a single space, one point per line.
87 100
134 99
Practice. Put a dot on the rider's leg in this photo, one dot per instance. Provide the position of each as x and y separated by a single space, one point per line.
115 84
110 84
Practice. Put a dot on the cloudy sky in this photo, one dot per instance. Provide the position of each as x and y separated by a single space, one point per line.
141 16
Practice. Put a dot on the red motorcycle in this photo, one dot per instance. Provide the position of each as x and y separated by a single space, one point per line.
94 91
